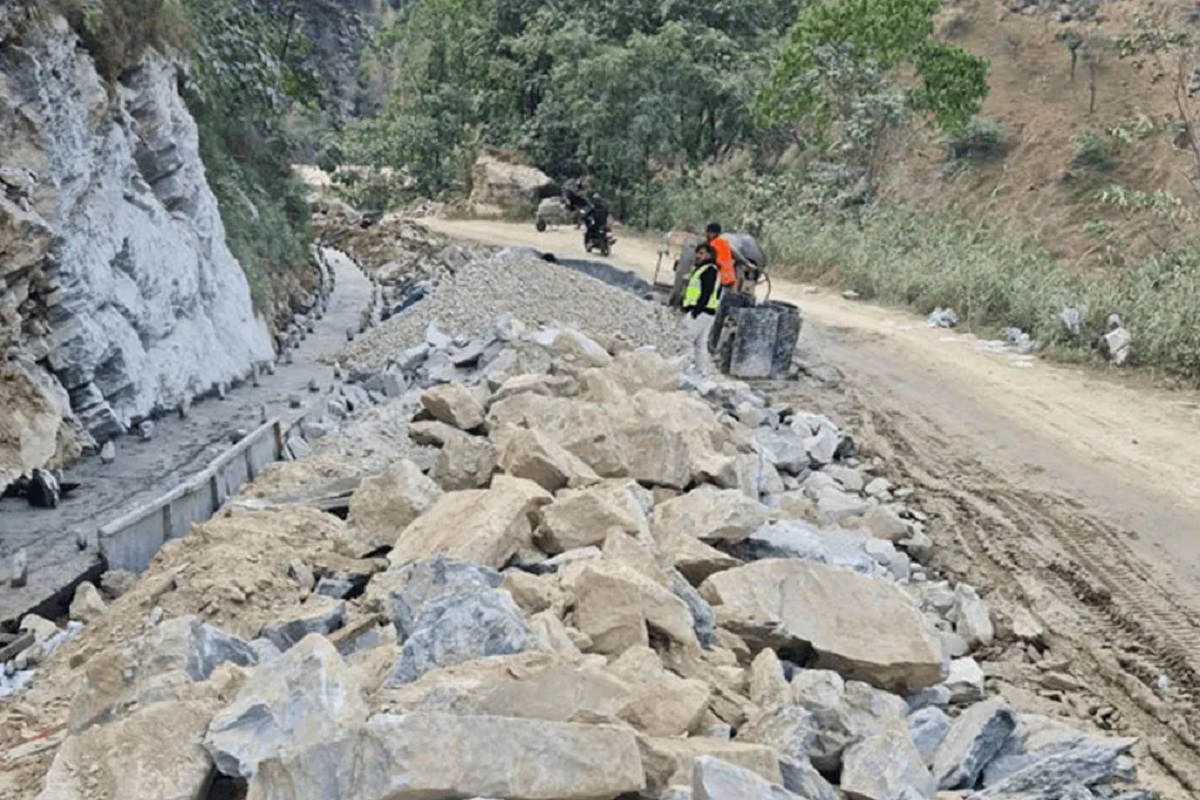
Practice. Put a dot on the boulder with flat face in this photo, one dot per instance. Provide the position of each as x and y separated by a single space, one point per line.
483 526
863 628
422 756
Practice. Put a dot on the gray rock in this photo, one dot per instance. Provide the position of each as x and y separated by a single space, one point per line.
975 738
1038 738
933 696
791 730
415 585
1049 776
785 449
265 648
222 390
822 445
844 713
802 778
314 385
334 587
187 644
295 401
972 620
108 453
965 681
704 619
462 627
146 430
928 728
302 698
884 766
20 569
714 779
796 539
319 615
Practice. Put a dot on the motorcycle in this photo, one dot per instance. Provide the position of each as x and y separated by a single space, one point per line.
599 240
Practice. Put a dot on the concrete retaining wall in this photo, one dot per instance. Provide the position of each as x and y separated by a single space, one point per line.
129 543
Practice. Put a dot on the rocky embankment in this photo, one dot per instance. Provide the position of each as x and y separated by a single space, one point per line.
118 295
566 572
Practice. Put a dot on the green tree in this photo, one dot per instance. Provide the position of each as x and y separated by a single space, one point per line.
840 52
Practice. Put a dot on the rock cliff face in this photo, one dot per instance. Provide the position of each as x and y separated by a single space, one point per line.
117 290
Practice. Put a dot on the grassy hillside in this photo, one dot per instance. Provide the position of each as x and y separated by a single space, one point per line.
1097 187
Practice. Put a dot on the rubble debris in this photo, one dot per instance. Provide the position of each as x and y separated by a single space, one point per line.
582 559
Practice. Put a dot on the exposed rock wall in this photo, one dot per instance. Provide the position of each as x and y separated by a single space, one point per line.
114 274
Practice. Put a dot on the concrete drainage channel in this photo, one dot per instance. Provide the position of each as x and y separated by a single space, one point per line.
48 579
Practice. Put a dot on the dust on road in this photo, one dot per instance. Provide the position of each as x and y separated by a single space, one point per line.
1058 490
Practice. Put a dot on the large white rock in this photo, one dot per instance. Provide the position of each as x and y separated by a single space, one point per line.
588 516
710 514
424 756
714 779
303 697
156 753
864 628
384 505
485 526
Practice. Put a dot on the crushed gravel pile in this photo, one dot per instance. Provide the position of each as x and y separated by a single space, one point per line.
535 292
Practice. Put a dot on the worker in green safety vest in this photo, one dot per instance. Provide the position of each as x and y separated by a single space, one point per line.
700 298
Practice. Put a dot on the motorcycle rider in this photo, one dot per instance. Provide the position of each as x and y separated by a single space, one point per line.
596 220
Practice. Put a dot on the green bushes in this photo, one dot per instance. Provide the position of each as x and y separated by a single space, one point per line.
118 32
1093 151
980 138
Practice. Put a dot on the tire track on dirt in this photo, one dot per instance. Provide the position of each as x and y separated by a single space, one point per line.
1133 621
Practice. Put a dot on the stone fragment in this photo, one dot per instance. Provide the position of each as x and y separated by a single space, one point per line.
587 517
41 628
974 740
407 590
531 455
670 762
928 728
694 559
465 462
865 628
155 753
422 756
1048 777
454 404
322 615
965 681
386 504
714 779
790 729
140 670
87 604
300 699
616 605
484 527
108 453
783 448
704 619
462 627
769 687
883 522
20 569
884 766
973 623
710 514
662 703
844 713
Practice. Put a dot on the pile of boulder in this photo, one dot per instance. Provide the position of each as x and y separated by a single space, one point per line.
603 578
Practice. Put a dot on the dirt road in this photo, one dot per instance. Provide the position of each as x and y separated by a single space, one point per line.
1057 491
